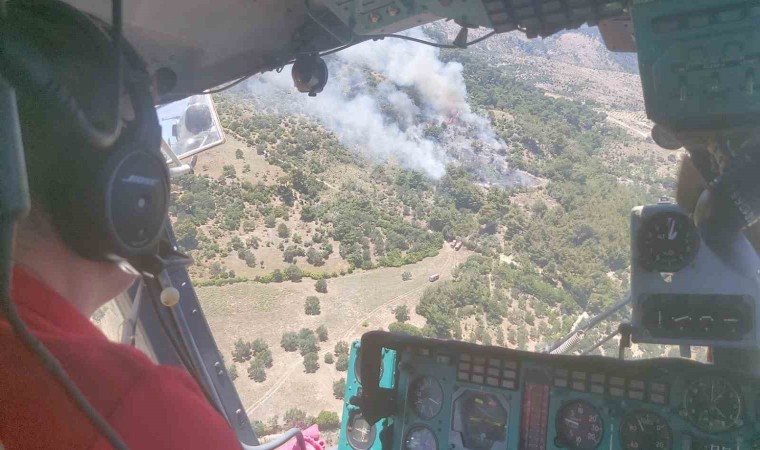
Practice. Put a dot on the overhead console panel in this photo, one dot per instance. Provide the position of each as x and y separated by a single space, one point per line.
535 17
437 395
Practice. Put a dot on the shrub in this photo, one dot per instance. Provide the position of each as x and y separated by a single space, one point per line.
322 333
311 306
265 358
328 420
341 365
258 346
293 273
239 154
242 351
339 387
406 276
256 371
329 358
283 231
295 417
307 341
341 348
233 373
402 313
228 172
311 362
404 328
289 341
321 286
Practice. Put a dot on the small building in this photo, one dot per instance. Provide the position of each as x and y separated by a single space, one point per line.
458 246
434 277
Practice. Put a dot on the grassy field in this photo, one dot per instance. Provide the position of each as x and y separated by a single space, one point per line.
252 310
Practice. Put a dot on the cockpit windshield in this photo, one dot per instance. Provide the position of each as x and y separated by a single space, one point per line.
481 196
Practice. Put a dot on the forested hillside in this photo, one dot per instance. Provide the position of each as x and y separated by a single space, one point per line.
538 187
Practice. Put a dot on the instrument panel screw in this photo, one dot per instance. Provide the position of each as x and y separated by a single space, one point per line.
393 11
374 17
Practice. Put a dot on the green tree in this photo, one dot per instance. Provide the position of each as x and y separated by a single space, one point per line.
321 286
236 243
500 336
228 171
314 257
322 333
294 273
307 341
239 154
282 230
341 364
311 362
186 233
256 371
402 313
291 252
265 358
277 276
328 420
311 307
270 221
242 351
259 428
404 328
295 418
259 345
329 358
339 388
289 341
341 348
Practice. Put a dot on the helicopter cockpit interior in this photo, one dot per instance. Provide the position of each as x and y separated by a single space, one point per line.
694 275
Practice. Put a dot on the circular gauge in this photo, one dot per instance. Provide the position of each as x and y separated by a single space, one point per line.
360 434
643 430
426 396
712 404
358 367
420 438
667 242
485 421
579 425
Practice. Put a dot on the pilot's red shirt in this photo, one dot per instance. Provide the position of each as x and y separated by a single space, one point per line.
150 406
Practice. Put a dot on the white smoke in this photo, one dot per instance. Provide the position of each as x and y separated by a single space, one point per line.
382 99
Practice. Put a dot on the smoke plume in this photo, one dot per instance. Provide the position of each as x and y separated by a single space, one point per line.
396 100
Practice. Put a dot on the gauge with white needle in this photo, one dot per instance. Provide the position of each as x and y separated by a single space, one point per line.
642 430
579 426
667 242
426 396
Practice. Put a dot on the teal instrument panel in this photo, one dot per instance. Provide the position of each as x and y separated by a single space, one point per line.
482 398
355 432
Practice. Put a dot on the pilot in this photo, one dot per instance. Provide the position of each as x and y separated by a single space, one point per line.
56 291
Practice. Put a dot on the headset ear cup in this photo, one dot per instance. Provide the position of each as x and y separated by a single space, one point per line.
135 202
116 210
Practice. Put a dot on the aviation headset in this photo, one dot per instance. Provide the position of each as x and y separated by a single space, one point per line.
107 197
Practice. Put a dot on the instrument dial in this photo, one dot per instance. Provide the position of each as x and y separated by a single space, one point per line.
579 426
712 404
420 438
360 434
427 397
485 421
667 242
645 430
